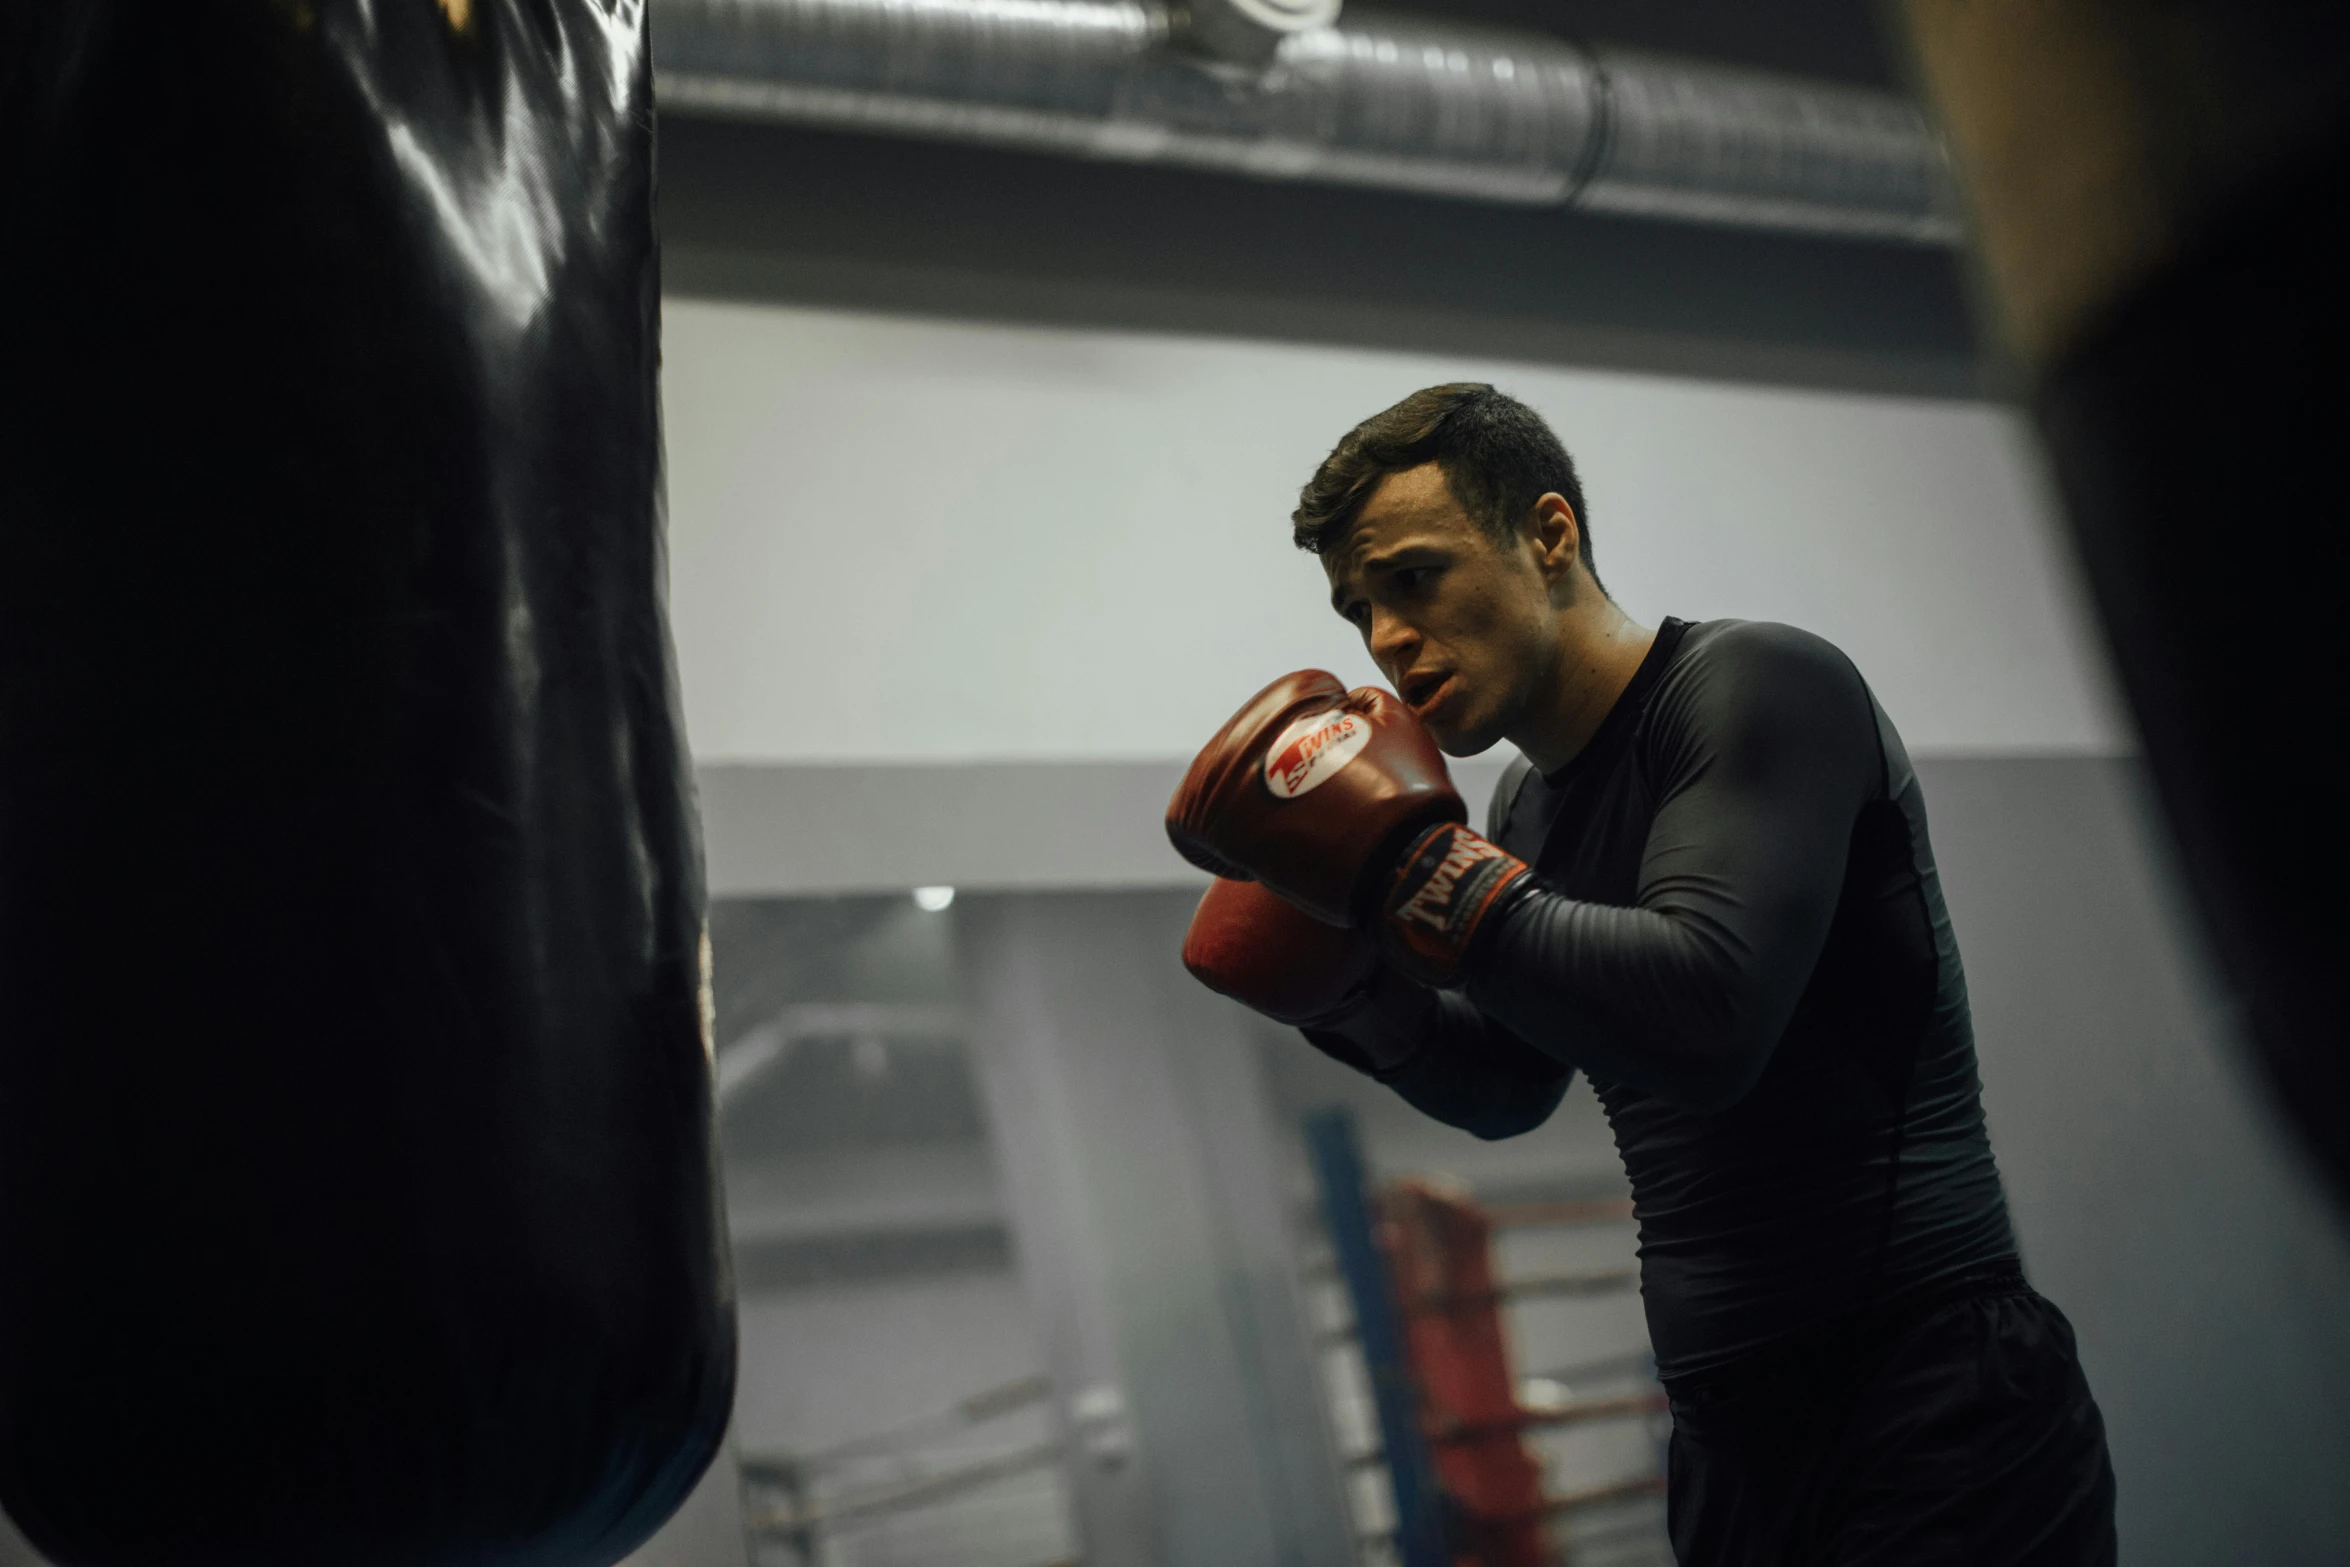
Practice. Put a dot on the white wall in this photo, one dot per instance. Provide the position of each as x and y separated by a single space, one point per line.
912 541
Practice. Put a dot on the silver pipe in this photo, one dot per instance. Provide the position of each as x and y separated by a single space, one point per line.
1385 102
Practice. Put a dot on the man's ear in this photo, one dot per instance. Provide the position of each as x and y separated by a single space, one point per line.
1558 535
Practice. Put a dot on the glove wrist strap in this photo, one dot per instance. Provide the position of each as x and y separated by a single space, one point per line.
1448 885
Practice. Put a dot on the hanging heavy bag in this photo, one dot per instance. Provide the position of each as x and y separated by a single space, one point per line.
357 1194
2162 200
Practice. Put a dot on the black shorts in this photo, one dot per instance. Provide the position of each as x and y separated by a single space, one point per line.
1956 1429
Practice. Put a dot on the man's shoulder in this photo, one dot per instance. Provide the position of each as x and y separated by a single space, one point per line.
1762 654
1740 683
1768 642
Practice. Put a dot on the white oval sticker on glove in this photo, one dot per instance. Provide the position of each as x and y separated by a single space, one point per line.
1304 755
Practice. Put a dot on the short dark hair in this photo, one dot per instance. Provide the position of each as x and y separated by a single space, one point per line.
1497 456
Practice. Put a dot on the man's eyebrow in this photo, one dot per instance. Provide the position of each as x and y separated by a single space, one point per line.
1394 553
1359 563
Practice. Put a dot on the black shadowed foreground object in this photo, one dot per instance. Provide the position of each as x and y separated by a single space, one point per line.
2163 201
357 1193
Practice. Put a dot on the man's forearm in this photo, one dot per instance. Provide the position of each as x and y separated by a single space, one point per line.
1442 1057
1391 1021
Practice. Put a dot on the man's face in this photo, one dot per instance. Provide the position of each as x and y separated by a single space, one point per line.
1461 626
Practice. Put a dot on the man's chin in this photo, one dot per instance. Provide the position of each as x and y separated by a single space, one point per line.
1458 741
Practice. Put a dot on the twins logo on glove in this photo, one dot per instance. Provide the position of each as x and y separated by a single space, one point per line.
1312 750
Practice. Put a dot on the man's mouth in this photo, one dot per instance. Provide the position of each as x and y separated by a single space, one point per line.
1421 692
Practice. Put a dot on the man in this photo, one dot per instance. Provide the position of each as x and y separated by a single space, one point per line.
1708 886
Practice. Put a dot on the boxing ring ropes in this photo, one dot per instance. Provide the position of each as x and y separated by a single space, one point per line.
1419 1275
1416 1264
778 1492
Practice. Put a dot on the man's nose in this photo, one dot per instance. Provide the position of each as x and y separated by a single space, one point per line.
1393 643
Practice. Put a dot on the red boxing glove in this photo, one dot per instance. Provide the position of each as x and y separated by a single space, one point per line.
1313 790
1270 955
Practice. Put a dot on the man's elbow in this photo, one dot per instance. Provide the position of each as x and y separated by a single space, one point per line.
1513 1116
1515 1124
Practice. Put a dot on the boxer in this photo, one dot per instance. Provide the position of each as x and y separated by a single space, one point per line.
1707 886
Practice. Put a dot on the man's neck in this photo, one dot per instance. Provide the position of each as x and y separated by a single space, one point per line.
1600 650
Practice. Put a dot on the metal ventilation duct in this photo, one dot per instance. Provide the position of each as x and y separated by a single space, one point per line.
1406 105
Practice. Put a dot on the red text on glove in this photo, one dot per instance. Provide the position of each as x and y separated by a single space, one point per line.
1431 902
1310 750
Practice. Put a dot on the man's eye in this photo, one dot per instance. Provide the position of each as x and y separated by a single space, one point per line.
1410 577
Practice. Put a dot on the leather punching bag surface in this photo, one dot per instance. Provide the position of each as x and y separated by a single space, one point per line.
357 1186
2162 201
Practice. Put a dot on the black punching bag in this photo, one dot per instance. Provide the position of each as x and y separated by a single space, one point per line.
2162 194
357 1187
